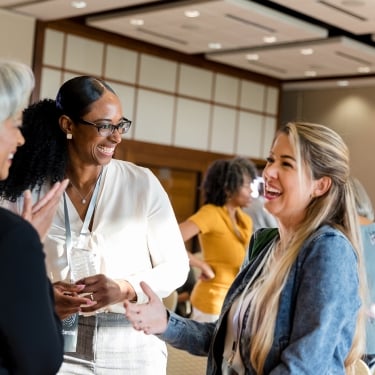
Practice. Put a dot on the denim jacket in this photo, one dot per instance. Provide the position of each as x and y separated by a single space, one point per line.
315 322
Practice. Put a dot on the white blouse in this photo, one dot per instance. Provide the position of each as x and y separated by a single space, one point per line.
134 233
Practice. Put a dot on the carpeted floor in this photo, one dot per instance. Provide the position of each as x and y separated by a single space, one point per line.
183 363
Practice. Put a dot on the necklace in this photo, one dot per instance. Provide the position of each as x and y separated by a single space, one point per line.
84 198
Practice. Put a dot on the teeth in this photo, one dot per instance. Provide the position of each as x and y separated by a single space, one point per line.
10 156
107 149
271 190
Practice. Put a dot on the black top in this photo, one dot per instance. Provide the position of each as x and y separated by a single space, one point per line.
30 331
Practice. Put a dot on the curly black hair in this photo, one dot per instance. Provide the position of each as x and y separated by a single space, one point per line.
44 156
225 177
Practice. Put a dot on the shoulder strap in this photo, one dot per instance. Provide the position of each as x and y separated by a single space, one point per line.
260 240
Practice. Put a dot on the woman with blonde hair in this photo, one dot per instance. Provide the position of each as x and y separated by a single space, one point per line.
295 308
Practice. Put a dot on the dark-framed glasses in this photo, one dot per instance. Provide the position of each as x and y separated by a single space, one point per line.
106 128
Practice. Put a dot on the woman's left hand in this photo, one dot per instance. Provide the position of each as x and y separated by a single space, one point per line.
103 290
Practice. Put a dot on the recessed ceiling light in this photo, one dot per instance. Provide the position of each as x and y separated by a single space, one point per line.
252 56
310 73
137 22
269 39
364 69
192 13
342 83
307 51
79 4
214 45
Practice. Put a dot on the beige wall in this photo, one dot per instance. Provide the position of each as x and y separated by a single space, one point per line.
16 36
349 111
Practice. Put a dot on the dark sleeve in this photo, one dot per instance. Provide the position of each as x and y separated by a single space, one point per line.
30 331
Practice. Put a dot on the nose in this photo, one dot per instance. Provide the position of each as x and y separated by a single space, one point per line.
20 139
269 171
116 136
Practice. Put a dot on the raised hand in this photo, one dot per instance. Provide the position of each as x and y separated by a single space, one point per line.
41 214
150 317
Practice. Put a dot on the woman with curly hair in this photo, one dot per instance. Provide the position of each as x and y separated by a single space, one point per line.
295 308
223 230
114 227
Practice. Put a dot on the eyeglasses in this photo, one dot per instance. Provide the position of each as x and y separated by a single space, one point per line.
106 129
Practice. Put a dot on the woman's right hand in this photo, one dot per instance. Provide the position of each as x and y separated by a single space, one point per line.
150 317
67 299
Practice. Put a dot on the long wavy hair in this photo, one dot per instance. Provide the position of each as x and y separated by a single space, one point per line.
324 153
44 156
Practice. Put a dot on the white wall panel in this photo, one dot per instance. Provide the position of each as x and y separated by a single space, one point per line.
223 130
84 55
192 124
50 83
252 96
195 82
249 142
226 89
272 100
158 73
17 37
53 48
154 117
269 130
121 64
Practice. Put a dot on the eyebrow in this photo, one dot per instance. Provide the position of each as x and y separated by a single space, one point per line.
287 157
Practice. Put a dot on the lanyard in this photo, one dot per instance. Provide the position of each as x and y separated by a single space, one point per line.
237 324
85 227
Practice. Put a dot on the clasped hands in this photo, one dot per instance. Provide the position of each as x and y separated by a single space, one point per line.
89 294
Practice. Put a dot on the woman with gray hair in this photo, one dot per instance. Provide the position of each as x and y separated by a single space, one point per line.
30 331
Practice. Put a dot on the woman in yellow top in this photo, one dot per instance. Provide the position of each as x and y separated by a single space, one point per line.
224 232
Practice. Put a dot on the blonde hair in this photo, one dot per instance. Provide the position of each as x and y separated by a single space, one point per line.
16 84
323 153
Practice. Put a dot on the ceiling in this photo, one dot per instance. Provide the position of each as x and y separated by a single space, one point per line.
300 42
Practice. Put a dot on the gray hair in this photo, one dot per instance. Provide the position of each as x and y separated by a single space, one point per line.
362 200
16 83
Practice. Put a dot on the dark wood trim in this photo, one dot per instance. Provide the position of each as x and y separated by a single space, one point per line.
151 154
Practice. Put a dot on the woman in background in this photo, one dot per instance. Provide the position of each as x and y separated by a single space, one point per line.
224 232
114 227
30 331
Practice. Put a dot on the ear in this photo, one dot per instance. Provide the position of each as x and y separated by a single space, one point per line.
66 124
322 186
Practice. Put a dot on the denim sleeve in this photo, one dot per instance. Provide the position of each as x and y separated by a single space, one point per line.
189 335
326 307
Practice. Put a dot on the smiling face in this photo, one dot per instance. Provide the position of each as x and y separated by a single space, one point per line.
287 190
242 197
10 139
87 146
